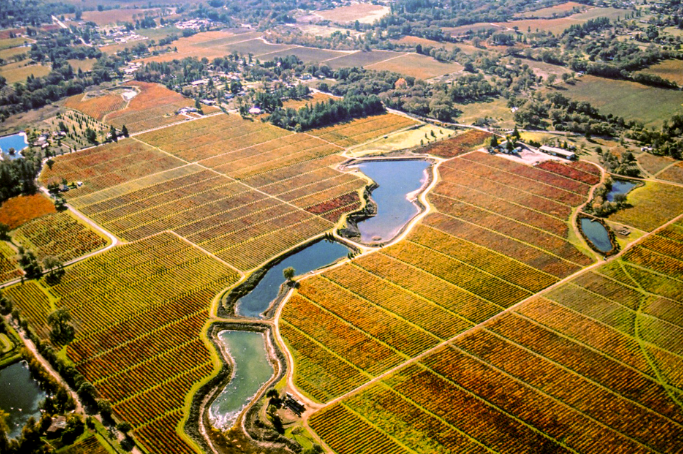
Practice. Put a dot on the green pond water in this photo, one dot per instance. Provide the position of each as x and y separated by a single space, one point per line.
20 397
251 370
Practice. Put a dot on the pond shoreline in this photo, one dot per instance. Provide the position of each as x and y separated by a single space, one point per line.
352 232
612 236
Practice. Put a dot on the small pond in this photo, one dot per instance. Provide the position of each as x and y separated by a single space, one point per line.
620 187
16 141
397 180
20 396
251 370
313 257
596 234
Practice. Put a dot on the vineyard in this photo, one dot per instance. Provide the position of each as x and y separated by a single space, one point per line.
462 143
489 249
17 211
59 235
296 168
9 268
593 363
106 166
361 130
153 106
138 310
97 107
651 206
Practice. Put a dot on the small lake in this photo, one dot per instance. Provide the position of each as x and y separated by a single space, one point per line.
397 179
20 397
596 234
313 257
16 141
620 187
251 370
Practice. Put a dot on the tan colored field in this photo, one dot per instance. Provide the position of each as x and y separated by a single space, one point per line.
669 69
15 72
208 44
299 103
672 173
119 15
559 25
455 31
557 9
419 66
545 69
653 164
7 54
362 130
496 109
361 12
652 205
13 42
414 40
404 140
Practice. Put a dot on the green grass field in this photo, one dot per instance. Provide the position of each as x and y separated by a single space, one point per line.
629 100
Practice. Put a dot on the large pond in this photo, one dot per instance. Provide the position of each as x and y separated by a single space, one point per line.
620 187
311 258
397 181
251 370
596 234
16 141
20 396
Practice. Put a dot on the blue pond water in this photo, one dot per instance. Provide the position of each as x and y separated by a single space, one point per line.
16 141
620 187
313 257
19 397
596 234
396 179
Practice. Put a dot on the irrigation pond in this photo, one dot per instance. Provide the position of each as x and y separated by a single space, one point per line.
251 369
311 258
20 396
399 181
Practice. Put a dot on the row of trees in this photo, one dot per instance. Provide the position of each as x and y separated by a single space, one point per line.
326 113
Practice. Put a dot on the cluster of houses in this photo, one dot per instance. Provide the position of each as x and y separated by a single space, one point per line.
194 24
518 147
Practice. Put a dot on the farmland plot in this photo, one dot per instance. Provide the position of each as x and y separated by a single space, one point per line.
450 274
149 298
593 363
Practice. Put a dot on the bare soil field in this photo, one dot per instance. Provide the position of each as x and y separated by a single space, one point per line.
119 15
362 58
361 12
306 54
653 164
553 10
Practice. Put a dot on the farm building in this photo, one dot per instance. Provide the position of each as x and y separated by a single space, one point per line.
558 152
